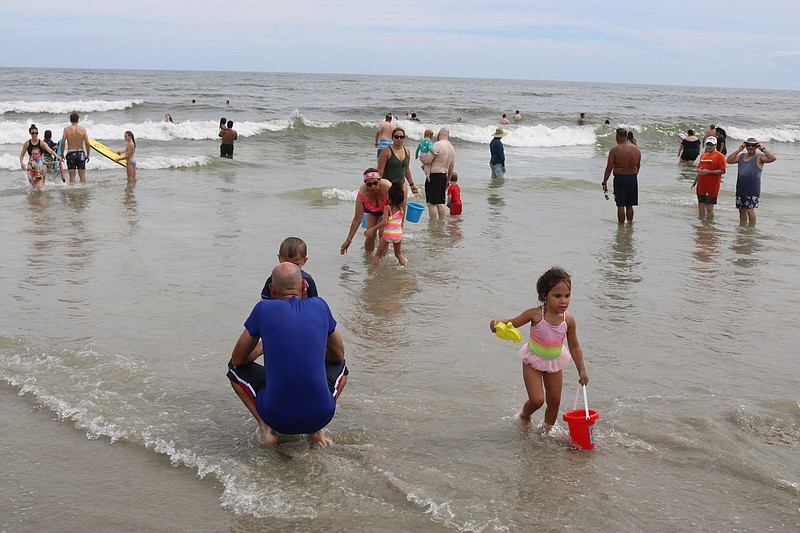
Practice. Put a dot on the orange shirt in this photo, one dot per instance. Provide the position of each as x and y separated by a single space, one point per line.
709 184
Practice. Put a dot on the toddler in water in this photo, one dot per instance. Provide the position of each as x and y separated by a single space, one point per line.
454 195
37 169
545 355
424 147
293 250
392 224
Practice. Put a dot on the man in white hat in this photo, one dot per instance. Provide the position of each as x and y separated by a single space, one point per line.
709 177
498 160
748 179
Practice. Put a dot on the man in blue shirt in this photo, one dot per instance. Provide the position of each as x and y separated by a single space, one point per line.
498 160
304 369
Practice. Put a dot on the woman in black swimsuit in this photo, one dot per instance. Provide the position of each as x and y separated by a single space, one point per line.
34 142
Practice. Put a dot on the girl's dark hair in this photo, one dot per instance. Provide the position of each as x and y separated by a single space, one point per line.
33 127
48 134
370 169
550 279
293 247
396 194
132 137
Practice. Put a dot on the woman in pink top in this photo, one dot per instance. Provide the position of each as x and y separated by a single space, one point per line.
371 198
545 355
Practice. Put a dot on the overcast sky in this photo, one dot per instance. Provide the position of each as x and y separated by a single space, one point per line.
723 43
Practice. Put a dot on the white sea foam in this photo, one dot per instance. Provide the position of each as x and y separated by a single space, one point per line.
538 136
787 133
65 108
98 162
340 194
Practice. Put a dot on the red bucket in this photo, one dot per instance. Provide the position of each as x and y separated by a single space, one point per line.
581 429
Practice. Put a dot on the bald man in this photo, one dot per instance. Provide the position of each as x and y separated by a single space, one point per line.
304 370
442 160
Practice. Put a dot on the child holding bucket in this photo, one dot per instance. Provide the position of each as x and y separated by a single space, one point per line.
392 224
545 355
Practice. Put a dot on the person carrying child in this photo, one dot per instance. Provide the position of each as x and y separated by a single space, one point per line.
454 195
425 147
37 169
293 250
545 355
392 224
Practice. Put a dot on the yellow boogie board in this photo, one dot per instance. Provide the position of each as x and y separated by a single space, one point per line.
102 149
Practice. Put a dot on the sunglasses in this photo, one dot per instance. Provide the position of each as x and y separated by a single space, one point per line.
399 136
34 133
751 145
372 183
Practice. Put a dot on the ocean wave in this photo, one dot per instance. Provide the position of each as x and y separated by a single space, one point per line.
787 134
98 162
65 108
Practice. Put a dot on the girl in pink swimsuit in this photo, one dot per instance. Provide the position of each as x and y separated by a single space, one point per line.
545 355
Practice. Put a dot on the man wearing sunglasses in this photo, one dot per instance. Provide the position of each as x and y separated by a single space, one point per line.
748 179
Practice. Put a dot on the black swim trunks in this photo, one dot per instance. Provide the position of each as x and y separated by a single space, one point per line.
76 159
226 150
626 190
251 376
690 155
435 188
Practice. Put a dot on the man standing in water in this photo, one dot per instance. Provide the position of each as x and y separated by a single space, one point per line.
75 143
442 162
748 179
709 177
383 137
227 136
624 160
295 391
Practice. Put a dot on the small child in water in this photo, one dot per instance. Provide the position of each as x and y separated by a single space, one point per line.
293 250
37 169
392 224
545 355
424 147
454 195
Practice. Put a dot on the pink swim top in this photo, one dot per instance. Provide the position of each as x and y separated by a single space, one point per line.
547 340
372 209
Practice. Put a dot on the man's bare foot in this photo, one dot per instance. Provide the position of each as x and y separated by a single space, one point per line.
524 421
319 438
266 437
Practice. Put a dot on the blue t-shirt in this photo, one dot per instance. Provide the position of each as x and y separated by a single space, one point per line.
296 398
497 151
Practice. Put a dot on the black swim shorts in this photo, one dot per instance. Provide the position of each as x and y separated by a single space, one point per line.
251 376
626 190
76 159
435 188
226 150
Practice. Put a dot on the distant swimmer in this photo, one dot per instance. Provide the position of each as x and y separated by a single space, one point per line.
168 118
748 180
414 117
227 136
631 138
582 119
408 114
689 149
228 103
295 392
624 160
75 143
383 137
127 155
517 116
504 119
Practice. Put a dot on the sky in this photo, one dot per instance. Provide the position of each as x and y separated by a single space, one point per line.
672 42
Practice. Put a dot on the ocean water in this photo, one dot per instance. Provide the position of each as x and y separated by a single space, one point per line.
120 304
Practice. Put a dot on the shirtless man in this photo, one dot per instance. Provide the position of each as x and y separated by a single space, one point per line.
710 132
624 159
383 137
444 157
504 119
75 143
227 136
